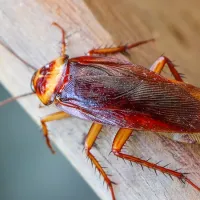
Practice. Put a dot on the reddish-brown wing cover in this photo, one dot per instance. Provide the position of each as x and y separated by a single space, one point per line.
120 93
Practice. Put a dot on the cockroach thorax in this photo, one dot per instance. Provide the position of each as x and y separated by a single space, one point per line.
47 81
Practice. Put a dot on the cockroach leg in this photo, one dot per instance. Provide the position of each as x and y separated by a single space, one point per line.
118 49
89 142
63 48
49 118
120 139
159 64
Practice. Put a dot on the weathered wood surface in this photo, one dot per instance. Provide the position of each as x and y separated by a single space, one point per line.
25 26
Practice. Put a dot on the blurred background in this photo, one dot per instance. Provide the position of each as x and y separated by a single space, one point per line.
27 168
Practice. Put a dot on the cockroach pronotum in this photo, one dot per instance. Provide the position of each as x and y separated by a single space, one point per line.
112 91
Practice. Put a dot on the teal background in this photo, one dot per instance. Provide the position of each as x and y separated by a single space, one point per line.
27 168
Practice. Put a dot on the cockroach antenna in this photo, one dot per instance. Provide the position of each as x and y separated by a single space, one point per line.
6 46
9 100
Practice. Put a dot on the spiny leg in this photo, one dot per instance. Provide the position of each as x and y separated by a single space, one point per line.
49 118
120 139
157 67
89 142
159 64
113 50
63 48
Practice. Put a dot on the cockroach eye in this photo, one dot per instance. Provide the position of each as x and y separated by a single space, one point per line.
31 84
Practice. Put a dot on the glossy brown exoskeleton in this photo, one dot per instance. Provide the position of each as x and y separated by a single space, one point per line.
111 91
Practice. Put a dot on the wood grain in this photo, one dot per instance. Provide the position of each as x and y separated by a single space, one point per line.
26 27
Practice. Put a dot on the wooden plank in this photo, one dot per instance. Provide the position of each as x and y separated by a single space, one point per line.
25 26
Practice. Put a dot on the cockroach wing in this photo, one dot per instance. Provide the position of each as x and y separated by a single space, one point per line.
130 96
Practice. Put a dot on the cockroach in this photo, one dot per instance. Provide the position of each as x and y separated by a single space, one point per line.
112 91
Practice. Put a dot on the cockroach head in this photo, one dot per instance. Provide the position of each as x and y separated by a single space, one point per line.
47 81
